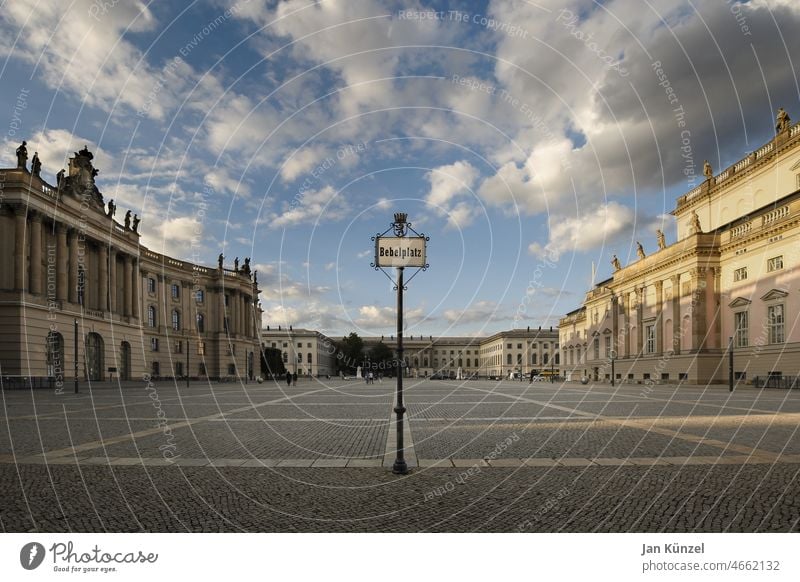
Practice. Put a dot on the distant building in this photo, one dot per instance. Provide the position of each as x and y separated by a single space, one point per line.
304 351
502 354
733 273
65 258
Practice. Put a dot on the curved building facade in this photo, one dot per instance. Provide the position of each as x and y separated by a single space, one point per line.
67 263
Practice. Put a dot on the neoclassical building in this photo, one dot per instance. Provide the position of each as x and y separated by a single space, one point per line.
731 278
499 355
305 351
66 262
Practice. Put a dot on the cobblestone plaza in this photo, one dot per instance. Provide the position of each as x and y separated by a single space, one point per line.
485 456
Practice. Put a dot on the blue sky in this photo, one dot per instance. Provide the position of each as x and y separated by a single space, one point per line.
528 140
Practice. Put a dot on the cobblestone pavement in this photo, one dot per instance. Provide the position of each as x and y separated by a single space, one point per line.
485 456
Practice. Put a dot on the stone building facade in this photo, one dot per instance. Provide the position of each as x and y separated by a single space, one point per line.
516 351
66 260
731 278
306 352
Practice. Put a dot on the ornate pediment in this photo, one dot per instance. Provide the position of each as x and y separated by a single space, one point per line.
606 331
795 166
739 302
774 294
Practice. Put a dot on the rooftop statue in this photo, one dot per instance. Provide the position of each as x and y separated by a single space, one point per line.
782 121
22 156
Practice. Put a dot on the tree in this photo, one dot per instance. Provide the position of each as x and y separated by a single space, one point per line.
271 362
350 353
381 359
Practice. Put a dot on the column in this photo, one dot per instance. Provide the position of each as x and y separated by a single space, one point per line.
19 248
233 323
127 284
659 323
220 294
36 253
614 324
136 284
640 295
61 262
102 303
112 272
73 266
626 302
676 313
699 327
242 315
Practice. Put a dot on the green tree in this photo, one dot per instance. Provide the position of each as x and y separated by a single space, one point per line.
381 359
350 353
271 362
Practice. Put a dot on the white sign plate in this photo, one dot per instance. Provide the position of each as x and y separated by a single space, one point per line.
406 251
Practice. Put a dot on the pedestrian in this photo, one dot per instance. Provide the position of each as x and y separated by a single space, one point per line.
289 379
371 378
294 378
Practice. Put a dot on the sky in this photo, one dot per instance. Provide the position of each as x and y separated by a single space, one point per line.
528 140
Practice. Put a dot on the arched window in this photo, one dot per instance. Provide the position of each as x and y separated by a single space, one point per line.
151 316
200 296
201 323
519 358
425 362
176 320
299 358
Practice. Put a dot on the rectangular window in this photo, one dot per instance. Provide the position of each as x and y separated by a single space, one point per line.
650 338
519 346
775 263
596 347
664 376
201 348
741 324
178 347
154 344
608 346
151 285
740 274
775 323
176 291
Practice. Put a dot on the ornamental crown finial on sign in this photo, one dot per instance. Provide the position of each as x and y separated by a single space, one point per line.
400 217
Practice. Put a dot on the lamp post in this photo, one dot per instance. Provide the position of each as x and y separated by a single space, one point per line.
75 325
613 355
400 251
730 364
187 363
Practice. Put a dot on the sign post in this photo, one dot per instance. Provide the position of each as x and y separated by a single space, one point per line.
400 251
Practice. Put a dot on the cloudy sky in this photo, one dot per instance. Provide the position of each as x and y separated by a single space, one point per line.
527 139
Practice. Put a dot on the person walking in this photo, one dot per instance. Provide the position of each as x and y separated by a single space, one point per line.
289 379
294 378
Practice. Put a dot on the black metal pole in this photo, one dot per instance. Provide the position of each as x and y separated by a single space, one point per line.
613 375
400 466
730 364
187 363
75 322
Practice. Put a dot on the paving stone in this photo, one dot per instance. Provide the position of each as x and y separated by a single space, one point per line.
295 463
227 462
440 463
611 462
330 463
505 462
362 463
540 463
566 462
469 463
186 462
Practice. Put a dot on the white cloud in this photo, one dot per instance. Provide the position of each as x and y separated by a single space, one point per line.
449 186
311 206
592 229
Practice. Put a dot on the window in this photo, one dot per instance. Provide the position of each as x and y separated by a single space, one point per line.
608 346
178 349
179 368
557 358
519 346
274 345
664 375
299 358
308 345
508 359
740 274
176 291
596 348
650 339
285 358
226 300
519 359
154 344
201 324
231 370
151 316
156 369
740 324
533 359
308 358
508 346
545 359
299 344
285 345
468 362
775 321
151 285
200 296
176 320
775 263
201 349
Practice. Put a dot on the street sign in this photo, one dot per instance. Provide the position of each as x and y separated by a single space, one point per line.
395 251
